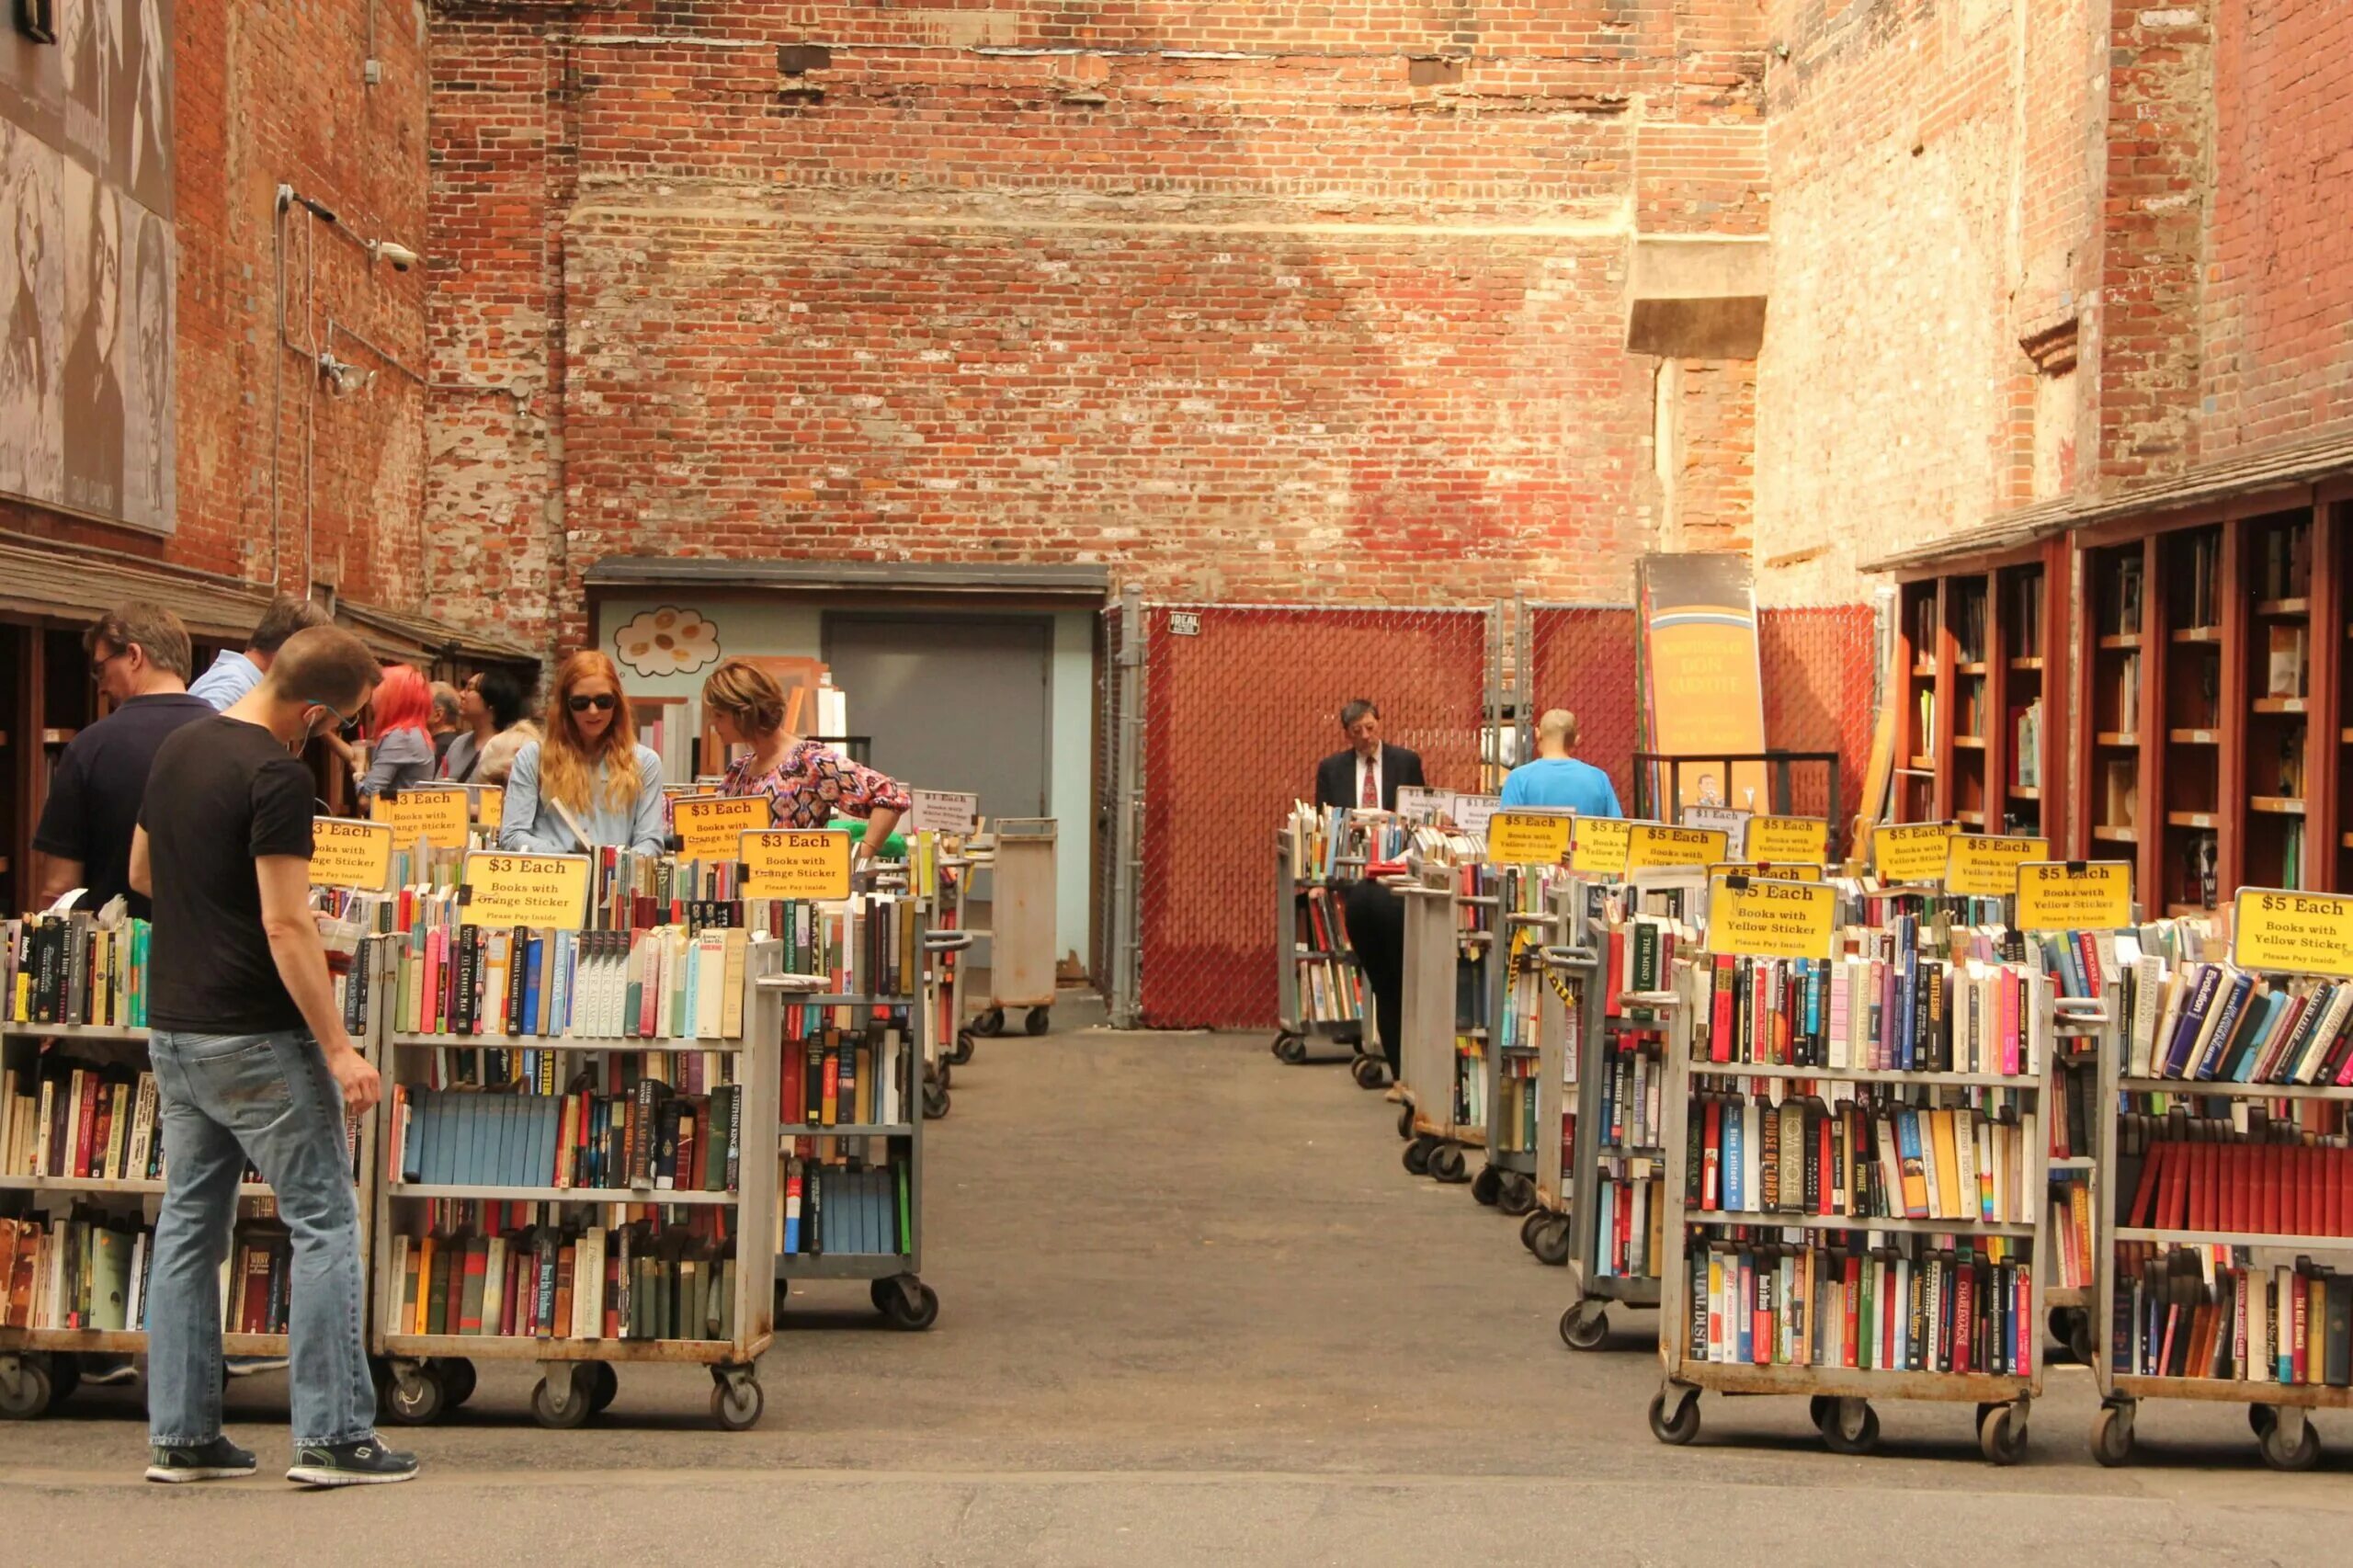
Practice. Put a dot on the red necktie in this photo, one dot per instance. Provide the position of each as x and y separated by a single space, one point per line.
1371 785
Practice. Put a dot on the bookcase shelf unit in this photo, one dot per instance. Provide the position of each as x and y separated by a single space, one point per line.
1566 1023
2277 1412
2210 665
424 1375
1840 1396
1979 670
2082 1029
1300 1038
37 1372
944 979
1585 1324
1445 977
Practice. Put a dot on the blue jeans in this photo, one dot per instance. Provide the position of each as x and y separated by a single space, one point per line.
268 1098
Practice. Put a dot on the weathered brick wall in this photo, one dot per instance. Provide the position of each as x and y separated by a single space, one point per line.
1245 300
2278 307
1935 198
266 95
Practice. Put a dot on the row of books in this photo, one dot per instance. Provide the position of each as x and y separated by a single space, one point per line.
844 1208
662 983
76 1121
1330 991
1515 1133
652 1139
1631 1116
2279 1190
1319 923
2176 1316
2026 745
1905 1013
80 968
1332 844
2283 566
1472 1065
2071 1109
1630 1237
837 1079
2069 1219
1871 1158
1641 956
595 1282
83 1272
1913 1304
2211 1021
2203 581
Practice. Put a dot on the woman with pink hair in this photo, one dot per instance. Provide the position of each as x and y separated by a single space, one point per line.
400 746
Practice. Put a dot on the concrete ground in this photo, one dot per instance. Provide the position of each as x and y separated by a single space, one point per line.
1193 1310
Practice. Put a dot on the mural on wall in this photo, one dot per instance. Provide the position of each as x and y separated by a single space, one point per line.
87 280
666 641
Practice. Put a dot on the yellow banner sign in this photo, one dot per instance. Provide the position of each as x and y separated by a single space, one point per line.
347 854
2295 933
2078 896
525 890
1909 851
1795 871
1652 845
1599 846
439 815
1766 919
1528 838
794 863
712 827
490 805
1984 866
1795 839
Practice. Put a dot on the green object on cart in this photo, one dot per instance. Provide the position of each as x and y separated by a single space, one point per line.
894 847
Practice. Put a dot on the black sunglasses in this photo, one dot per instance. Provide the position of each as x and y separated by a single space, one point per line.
582 704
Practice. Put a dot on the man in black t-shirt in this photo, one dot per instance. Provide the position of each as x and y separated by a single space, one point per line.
140 654
252 1064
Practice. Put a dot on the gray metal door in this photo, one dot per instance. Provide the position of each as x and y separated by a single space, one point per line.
953 702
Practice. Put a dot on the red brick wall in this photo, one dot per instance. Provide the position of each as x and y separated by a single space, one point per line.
2279 294
266 95
1247 302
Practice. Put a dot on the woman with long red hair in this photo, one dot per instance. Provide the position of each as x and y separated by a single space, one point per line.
588 785
400 748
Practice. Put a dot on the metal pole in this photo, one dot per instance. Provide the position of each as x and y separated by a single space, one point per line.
1127 847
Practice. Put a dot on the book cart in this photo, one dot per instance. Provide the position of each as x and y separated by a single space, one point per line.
1568 1013
950 874
1519 1012
1839 1396
938 983
38 1367
891 1257
1020 859
424 1374
1450 942
2277 1407
1319 974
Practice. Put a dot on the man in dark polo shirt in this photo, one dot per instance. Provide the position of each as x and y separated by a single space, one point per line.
251 1062
140 654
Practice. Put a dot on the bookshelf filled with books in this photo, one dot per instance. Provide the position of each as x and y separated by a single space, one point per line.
575 1127
1979 668
82 1157
1855 1187
1452 910
1321 1003
1523 1010
2227 1234
1566 1012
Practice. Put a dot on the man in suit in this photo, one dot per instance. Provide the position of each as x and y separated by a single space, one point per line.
1368 773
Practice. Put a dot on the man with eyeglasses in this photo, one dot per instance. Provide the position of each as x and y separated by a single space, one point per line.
252 1064
140 658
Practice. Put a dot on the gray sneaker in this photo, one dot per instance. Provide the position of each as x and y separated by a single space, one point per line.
253 1366
364 1463
219 1459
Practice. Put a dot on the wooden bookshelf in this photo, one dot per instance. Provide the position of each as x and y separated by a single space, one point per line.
1973 661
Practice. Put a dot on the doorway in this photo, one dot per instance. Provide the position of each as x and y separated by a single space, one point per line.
959 703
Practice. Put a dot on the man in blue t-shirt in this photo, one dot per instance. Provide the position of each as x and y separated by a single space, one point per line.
1557 779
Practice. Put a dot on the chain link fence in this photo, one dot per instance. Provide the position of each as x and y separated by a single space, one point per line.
1214 716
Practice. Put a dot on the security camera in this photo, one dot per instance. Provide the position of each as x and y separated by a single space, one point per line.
399 255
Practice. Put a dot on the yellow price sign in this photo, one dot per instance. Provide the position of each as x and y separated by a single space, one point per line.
710 827
1761 918
525 890
1909 851
347 854
1982 866
490 805
1652 845
1528 838
795 863
440 815
1599 846
1792 872
2074 895
1793 839
2295 933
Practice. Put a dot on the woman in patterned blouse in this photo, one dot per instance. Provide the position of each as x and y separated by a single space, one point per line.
807 784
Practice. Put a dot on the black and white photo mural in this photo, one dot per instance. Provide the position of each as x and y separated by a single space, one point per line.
87 257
